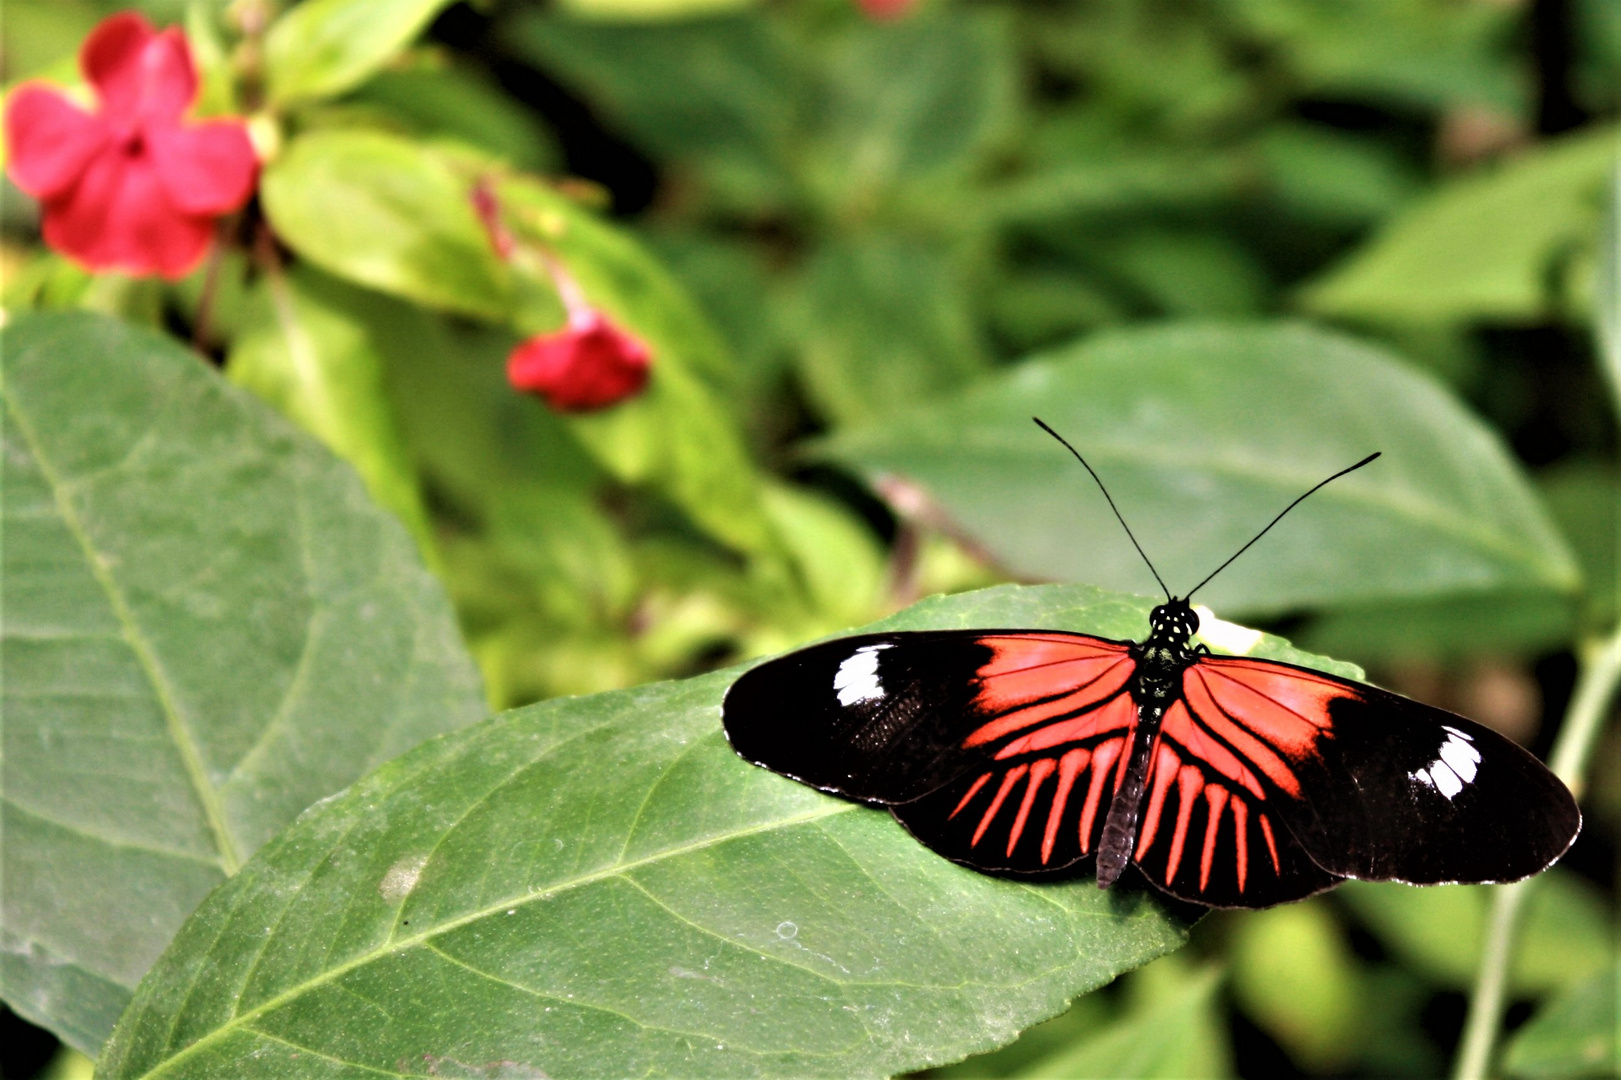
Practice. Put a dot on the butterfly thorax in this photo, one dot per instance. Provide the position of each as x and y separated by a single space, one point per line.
1156 683
1165 654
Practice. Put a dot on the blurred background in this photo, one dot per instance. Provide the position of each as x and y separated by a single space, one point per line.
888 229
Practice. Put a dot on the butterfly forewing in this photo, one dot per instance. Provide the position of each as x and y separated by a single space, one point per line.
891 717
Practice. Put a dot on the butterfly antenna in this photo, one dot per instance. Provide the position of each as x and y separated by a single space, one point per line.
1274 521
1112 506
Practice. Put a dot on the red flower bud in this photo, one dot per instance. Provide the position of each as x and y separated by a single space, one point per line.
589 364
129 186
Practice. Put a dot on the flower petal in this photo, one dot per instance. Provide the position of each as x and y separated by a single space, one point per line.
137 72
206 168
119 217
51 140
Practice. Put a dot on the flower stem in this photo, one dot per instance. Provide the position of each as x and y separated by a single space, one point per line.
1596 683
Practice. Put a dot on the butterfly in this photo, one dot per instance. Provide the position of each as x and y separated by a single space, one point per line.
1227 781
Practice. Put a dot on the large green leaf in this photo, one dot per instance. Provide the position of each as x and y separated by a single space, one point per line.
1485 246
324 47
1203 433
208 626
387 212
599 886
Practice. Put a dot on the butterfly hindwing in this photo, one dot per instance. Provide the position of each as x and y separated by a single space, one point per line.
1211 828
1036 800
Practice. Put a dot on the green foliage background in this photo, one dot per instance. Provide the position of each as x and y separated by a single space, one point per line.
1225 246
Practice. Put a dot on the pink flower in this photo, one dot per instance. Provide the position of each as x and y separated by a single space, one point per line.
589 364
129 186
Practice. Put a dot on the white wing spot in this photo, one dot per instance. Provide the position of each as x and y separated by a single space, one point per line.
857 678
1455 765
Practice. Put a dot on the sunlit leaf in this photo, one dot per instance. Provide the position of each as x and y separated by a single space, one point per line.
386 212
655 11
1485 246
208 627
1204 433
323 47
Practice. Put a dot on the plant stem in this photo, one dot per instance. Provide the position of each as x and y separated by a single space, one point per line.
1596 683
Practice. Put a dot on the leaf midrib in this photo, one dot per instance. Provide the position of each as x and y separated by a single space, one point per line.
229 859
395 945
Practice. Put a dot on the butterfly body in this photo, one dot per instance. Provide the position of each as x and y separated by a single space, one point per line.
1228 781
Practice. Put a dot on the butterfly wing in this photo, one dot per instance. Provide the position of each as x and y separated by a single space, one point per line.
1361 782
1029 719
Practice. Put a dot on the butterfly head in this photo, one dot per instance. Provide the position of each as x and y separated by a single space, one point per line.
1174 622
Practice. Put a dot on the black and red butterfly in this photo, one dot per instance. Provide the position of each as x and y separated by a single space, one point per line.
1229 781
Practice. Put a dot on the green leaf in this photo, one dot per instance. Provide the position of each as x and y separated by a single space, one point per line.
323 47
1445 627
1607 302
1435 56
1483 247
1294 972
915 98
1573 1036
387 212
599 885
461 103
1438 931
1326 175
1174 1034
1584 497
679 435
835 554
653 11
884 326
208 627
310 353
1203 433
719 91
